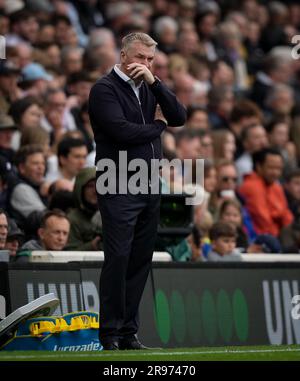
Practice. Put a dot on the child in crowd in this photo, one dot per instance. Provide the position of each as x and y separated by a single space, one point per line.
223 237
231 211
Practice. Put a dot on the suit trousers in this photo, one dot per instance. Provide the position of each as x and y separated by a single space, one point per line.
129 225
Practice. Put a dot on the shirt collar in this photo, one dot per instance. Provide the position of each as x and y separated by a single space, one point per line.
125 77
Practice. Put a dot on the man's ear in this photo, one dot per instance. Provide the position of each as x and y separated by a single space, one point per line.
21 168
40 233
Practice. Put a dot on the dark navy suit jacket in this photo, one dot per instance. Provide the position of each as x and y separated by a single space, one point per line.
120 123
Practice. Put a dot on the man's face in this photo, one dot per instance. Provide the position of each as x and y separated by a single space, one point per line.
57 102
256 140
34 168
54 235
137 52
75 161
293 187
224 245
160 66
89 192
271 169
29 29
190 148
227 178
199 120
3 230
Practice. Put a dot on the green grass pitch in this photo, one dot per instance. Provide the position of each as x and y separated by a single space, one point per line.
239 353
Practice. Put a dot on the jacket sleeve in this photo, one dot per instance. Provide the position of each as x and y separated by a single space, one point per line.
26 200
173 110
106 111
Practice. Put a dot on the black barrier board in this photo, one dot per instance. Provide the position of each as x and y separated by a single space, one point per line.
183 305
4 300
27 285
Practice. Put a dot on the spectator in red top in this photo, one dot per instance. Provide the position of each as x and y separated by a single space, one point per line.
264 196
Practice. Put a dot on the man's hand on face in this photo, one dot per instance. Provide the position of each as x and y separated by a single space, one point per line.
139 71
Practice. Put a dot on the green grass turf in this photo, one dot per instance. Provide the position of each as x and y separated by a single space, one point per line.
253 353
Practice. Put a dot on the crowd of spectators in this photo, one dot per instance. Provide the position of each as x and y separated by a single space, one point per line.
231 63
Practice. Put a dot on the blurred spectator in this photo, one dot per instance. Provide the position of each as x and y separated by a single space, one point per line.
71 59
231 212
292 190
57 117
253 138
160 67
71 155
226 179
9 91
264 196
244 114
223 145
14 240
52 235
184 85
221 74
24 27
223 243
25 196
230 49
189 249
7 129
3 229
278 133
210 177
165 30
227 189
197 118
221 102
206 23
274 34
188 144
275 70
265 243
24 53
290 235
206 148
188 44
86 232
279 101
35 80
27 113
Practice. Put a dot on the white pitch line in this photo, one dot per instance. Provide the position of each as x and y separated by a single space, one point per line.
135 353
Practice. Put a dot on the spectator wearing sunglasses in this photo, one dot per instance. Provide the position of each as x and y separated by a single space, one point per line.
227 189
226 183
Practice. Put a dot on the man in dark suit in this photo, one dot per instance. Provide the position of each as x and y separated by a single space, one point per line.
129 109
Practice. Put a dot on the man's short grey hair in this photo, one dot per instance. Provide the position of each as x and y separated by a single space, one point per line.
137 36
162 23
